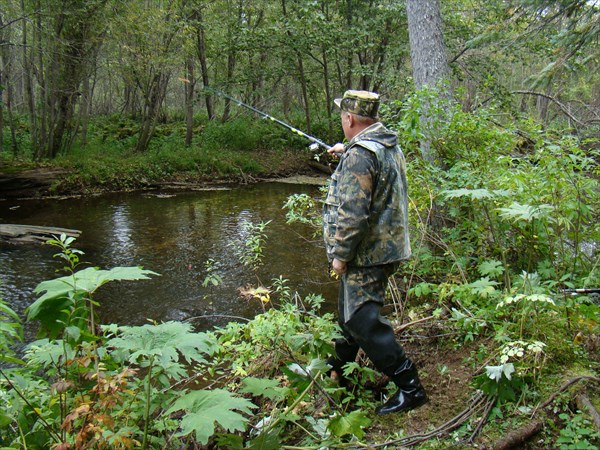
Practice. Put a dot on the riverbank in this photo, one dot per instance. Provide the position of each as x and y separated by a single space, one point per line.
73 178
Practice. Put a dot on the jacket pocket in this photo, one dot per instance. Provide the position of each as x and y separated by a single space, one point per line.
330 213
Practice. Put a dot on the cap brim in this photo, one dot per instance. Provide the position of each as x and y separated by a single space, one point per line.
338 102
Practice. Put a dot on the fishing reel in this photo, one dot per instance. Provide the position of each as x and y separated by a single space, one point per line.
314 147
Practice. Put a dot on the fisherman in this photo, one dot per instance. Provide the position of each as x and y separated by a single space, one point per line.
366 236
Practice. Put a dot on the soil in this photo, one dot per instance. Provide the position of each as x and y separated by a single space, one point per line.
447 377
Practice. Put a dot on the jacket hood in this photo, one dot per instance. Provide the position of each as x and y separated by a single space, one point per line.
378 133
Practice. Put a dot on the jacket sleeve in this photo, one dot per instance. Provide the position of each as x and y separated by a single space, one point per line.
355 184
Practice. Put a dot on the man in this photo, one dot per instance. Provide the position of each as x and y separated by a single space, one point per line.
366 236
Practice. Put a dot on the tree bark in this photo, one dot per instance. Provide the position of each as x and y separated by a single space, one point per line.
301 75
190 83
203 58
428 56
518 437
152 102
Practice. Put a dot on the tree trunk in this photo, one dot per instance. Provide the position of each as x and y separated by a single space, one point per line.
428 56
301 75
326 78
28 80
86 105
231 61
304 93
190 83
430 68
328 97
1 115
3 76
152 103
202 57
380 56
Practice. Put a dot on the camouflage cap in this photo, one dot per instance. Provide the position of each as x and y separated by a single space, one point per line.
362 103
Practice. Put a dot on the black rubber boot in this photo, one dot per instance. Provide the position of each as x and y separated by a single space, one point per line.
410 393
345 352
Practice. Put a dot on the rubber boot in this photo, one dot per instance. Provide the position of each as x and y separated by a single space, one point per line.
410 393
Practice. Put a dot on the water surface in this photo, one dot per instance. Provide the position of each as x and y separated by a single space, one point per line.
174 235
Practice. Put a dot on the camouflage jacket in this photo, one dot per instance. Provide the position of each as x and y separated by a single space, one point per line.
365 216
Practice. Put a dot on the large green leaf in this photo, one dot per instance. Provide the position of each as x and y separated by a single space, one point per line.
475 194
518 212
167 341
163 345
484 287
57 291
204 409
263 387
349 424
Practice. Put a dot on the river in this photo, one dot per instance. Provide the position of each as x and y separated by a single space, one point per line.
173 234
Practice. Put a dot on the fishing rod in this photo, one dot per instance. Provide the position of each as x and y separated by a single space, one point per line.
316 143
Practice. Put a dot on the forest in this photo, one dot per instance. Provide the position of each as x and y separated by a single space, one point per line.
497 108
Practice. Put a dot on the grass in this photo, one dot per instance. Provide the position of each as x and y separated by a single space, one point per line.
237 150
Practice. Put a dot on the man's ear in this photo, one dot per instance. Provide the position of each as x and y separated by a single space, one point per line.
351 121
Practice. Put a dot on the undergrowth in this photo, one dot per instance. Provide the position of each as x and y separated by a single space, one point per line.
505 258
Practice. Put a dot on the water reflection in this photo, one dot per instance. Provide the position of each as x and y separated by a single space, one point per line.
122 246
174 236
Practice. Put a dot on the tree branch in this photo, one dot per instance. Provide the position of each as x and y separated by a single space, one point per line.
559 104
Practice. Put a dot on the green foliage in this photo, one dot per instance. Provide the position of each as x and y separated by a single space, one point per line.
518 224
68 254
250 251
211 278
303 208
577 434
499 382
127 388
65 300
162 346
203 408
350 424
11 332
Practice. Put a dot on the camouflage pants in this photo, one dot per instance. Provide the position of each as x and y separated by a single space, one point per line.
360 285
362 294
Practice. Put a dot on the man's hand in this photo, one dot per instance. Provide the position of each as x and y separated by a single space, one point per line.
337 150
338 266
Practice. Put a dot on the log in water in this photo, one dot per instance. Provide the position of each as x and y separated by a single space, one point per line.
25 234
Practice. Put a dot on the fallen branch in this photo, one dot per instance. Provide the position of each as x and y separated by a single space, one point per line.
488 408
479 401
414 322
519 436
563 388
217 316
